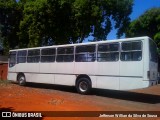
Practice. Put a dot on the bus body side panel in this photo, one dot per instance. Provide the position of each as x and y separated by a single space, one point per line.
22 67
47 72
86 68
64 73
108 75
131 75
39 78
129 83
12 69
146 59
12 76
31 72
153 67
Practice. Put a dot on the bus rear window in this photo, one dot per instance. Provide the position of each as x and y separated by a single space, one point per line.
153 51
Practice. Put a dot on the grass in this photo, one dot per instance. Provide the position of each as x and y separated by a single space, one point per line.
4 82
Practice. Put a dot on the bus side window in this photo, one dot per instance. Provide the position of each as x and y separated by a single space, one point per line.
85 53
48 55
108 52
33 56
21 56
131 51
65 54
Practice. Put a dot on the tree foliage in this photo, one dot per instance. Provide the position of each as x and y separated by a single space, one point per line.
10 15
147 24
47 22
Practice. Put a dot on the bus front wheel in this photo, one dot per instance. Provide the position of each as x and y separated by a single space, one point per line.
83 86
21 80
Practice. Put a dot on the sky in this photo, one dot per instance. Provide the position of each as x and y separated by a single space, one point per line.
139 7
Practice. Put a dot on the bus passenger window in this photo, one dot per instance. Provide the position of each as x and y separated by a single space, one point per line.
85 53
108 52
48 55
131 51
33 56
21 56
65 54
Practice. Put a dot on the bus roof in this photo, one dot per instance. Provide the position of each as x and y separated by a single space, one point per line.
88 43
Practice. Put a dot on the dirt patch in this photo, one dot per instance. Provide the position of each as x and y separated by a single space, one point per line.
40 97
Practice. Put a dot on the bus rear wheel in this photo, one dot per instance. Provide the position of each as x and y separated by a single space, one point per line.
83 86
21 80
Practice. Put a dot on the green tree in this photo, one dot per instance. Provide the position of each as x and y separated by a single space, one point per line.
147 24
10 15
47 22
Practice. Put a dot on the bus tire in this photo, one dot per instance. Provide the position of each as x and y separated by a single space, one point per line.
21 80
83 86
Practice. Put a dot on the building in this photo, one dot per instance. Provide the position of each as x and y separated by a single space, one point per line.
3 67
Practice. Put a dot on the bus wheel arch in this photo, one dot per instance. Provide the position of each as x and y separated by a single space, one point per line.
21 79
83 84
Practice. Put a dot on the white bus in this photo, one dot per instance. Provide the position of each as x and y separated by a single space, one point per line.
122 64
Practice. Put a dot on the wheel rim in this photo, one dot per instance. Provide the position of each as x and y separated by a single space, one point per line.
21 80
83 86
